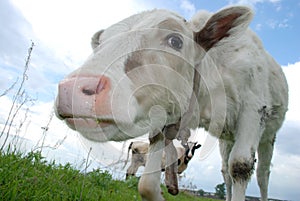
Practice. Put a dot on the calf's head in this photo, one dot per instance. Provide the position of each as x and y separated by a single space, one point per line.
190 149
140 75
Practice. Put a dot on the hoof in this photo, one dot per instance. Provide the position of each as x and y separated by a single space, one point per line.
172 191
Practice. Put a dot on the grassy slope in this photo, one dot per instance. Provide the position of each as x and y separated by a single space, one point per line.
30 177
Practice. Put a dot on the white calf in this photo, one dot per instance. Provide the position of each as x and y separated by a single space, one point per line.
155 69
139 152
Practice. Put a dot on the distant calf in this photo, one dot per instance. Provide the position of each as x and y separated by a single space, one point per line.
139 152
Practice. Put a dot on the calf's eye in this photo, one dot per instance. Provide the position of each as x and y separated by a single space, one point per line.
175 42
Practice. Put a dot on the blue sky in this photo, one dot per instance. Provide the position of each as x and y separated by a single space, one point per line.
61 30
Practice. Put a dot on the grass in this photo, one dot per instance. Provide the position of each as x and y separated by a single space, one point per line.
31 177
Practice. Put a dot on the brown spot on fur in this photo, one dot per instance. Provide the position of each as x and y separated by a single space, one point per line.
259 69
242 171
156 137
133 61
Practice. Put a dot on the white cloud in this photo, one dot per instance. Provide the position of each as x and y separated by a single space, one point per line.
61 31
292 72
274 1
253 2
258 26
68 31
284 178
188 8
273 24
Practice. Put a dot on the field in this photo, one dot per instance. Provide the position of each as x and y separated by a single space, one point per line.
31 177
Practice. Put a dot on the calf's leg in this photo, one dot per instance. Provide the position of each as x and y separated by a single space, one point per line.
225 149
149 184
265 152
242 156
171 167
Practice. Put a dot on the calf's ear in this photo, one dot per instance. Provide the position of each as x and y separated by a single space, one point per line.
197 146
178 162
223 25
95 42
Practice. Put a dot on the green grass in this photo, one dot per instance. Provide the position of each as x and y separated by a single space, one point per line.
31 177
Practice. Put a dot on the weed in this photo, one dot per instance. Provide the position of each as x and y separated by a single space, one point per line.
31 177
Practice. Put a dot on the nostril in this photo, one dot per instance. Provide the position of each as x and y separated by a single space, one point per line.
95 85
102 84
88 92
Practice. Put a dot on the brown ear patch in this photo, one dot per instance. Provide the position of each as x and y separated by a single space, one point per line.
215 30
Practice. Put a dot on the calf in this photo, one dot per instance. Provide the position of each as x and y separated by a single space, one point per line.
139 152
155 69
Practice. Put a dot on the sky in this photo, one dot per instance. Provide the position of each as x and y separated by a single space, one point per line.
61 31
